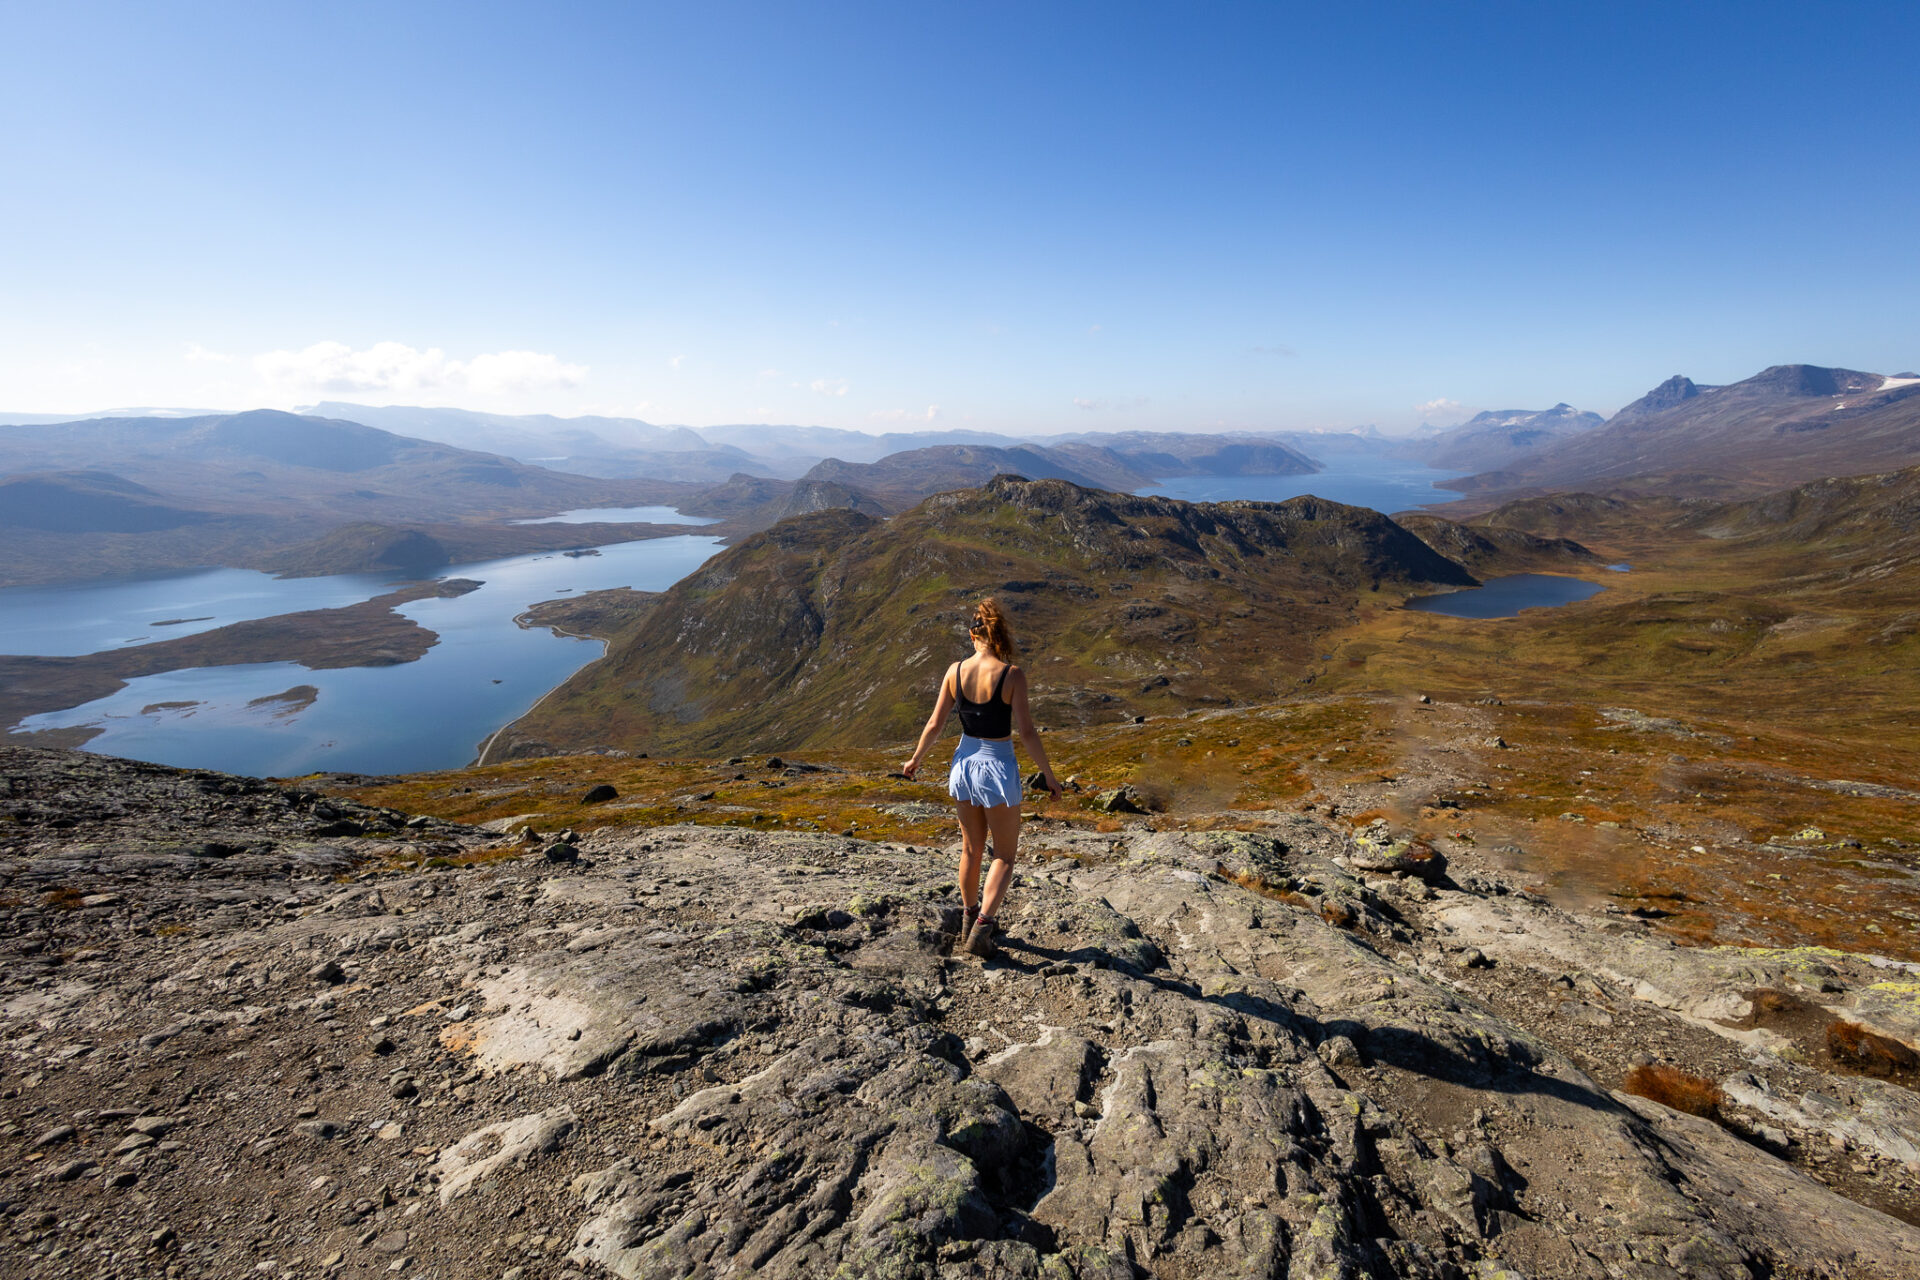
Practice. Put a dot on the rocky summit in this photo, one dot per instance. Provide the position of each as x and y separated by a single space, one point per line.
264 1031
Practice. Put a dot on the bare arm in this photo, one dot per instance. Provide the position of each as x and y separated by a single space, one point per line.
1029 736
942 706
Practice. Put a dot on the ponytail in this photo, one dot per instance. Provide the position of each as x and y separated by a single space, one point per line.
991 626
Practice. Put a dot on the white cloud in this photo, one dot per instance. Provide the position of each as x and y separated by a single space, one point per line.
197 354
928 414
1096 405
1443 412
829 386
674 362
511 371
1273 349
397 367
768 373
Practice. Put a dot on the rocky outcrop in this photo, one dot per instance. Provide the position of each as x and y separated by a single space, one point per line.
708 1052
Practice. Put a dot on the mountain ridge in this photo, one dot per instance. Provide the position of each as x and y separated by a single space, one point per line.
1493 438
1784 425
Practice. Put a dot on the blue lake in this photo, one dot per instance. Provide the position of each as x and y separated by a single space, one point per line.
89 617
1362 481
620 515
1505 597
429 714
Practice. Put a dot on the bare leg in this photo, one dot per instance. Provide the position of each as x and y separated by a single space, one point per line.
1004 821
973 841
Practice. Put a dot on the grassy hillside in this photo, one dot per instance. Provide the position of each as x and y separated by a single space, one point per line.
835 628
1801 607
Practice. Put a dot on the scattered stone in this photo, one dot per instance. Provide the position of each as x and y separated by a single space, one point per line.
486 1150
1587 1015
1381 854
600 793
328 971
558 852
1339 1051
54 1136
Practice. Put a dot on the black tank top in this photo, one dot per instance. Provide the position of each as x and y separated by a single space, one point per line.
990 719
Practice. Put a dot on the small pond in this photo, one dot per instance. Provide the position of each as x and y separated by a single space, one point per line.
1505 597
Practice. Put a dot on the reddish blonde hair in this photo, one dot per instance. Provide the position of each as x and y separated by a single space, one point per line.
991 626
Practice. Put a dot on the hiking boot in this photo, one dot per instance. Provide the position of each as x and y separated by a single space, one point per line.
955 925
980 939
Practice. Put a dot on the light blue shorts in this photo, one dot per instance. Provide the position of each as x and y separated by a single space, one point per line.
984 773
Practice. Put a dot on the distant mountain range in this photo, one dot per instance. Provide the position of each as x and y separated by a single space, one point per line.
119 496
1496 437
270 463
171 489
1784 425
612 447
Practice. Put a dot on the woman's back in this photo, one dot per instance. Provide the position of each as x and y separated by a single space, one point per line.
990 715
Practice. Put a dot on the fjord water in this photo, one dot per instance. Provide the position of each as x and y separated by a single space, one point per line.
1505 597
428 714
619 515
89 617
1359 480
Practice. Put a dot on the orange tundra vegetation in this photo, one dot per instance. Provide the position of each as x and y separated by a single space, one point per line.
1865 1051
1681 1090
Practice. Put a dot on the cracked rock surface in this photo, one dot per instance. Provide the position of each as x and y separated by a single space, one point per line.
699 1052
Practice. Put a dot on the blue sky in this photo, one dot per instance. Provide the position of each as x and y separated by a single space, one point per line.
1029 218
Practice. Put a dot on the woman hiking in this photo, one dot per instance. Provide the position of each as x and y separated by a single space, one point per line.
991 695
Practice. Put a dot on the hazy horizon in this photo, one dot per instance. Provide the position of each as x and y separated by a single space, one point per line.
932 427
